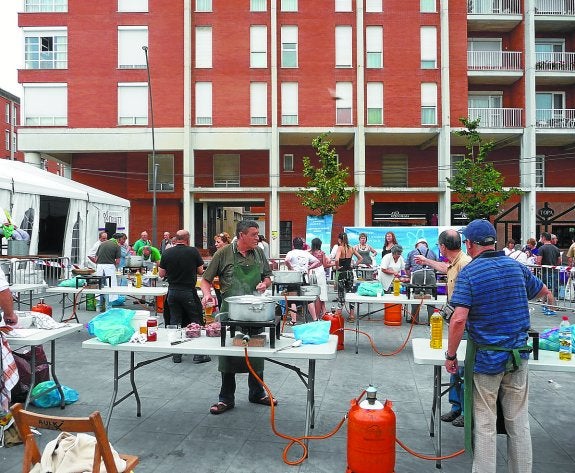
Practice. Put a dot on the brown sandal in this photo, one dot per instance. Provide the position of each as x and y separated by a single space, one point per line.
266 401
220 408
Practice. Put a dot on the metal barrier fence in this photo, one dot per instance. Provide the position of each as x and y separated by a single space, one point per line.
561 281
36 269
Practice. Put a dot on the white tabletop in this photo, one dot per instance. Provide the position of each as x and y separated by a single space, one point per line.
212 346
391 299
124 290
34 336
26 287
303 298
548 360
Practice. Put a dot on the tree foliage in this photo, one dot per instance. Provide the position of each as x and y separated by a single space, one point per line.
327 188
476 183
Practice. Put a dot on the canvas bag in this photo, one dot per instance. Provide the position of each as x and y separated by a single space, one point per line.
70 453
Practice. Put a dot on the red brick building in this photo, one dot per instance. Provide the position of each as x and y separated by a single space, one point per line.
239 89
10 106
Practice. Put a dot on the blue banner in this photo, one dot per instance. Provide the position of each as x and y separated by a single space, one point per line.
319 226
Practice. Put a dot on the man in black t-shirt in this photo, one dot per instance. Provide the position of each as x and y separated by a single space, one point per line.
180 265
549 255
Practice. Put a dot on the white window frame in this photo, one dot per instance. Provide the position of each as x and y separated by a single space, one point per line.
258 47
428 102
374 47
45 104
289 6
45 6
428 6
134 6
130 42
289 42
258 5
7 139
343 46
203 56
258 103
7 112
132 103
455 158
203 108
14 114
373 6
395 170
343 5
288 162
15 142
46 48
344 106
428 45
204 6
374 102
226 170
289 100
539 170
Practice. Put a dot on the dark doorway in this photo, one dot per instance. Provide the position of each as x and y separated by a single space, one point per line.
53 216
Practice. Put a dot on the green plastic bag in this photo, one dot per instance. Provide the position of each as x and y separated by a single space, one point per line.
52 397
313 333
113 326
370 288
70 282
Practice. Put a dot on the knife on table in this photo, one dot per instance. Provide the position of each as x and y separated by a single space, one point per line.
181 341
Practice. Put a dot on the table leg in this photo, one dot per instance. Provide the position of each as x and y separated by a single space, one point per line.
32 376
435 424
53 371
357 307
134 387
115 391
310 405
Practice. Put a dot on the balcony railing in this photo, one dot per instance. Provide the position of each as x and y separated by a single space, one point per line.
493 60
555 62
555 118
227 182
496 117
555 7
494 7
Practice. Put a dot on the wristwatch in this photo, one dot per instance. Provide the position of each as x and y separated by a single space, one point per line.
449 357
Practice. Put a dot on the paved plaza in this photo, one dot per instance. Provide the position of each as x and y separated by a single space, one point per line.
176 433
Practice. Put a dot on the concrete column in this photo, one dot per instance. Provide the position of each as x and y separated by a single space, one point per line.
359 139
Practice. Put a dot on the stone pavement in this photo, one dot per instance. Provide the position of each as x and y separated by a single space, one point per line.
176 432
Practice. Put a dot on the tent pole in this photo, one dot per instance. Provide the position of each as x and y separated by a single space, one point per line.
154 164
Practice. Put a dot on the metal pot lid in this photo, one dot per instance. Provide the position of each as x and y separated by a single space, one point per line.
249 299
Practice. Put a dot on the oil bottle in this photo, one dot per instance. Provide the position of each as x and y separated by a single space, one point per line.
436 329
396 286
138 279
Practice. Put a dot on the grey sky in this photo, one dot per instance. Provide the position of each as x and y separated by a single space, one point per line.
11 46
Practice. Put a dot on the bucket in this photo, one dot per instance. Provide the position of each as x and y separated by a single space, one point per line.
392 314
18 247
140 318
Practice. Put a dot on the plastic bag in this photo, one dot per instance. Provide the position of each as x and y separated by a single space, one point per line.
71 282
314 333
549 339
370 289
52 398
113 326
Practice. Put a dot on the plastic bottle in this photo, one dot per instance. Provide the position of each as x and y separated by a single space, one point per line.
436 325
396 286
152 325
155 269
565 339
138 279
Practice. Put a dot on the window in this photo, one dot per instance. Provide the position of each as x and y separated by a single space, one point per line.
226 170
203 5
374 47
343 5
428 39
258 103
288 162
288 5
130 42
375 103
484 53
47 49
45 104
203 103
550 108
289 110
343 111
7 139
373 6
427 6
48 6
7 113
550 55
486 107
164 174
14 142
343 43
394 170
429 103
455 158
289 46
258 46
258 5
203 47
132 5
14 114
132 103
285 236
539 171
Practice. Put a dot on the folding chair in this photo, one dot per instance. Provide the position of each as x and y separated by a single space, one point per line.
25 420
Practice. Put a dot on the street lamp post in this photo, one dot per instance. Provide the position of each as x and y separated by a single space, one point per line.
154 165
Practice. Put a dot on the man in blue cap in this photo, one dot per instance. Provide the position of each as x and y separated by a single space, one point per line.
491 297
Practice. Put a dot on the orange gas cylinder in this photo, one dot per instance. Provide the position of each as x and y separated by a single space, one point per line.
392 314
337 323
160 303
42 307
371 436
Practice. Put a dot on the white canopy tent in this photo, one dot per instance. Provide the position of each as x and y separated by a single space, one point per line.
23 186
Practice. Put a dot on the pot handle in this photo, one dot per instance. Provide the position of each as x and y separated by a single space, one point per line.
221 316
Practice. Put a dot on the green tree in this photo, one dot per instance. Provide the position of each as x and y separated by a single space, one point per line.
476 183
327 187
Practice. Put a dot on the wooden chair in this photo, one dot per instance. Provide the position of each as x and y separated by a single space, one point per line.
92 424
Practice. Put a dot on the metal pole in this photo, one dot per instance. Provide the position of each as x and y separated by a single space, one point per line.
154 165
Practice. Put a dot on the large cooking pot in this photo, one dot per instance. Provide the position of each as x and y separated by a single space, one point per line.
134 261
311 290
287 277
251 308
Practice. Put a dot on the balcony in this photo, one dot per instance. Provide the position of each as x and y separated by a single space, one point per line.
554 16
496 117
555 118
227 182
494 67
555 68
555 7
494 7
493 15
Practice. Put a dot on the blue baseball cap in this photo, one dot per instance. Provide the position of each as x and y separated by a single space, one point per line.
480 232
